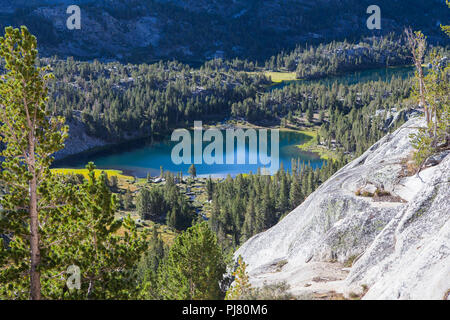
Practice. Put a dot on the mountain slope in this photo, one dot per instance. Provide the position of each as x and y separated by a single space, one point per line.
397 240
195 30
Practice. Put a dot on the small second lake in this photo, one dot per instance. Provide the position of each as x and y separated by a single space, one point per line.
383 74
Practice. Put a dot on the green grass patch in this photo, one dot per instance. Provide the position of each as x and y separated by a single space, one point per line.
84 172
278 77
312 146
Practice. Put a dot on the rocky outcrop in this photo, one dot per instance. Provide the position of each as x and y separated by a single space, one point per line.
78 140
410 258
369 227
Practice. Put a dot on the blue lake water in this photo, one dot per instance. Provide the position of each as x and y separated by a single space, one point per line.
140 158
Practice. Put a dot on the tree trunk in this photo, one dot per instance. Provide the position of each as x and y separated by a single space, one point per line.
35 275
422 91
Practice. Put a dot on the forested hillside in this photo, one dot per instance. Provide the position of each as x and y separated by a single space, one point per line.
117 101
338 57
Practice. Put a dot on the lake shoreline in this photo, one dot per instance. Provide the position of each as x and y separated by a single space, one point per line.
143 156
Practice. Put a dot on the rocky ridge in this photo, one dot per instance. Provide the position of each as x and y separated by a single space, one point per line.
370 229
78 140
198 30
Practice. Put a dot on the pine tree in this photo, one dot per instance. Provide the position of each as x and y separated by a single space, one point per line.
113 183
110 274
321 116
128 200
249 221
171 218
309 115
261 219
192 171
432 92
53 222
241 287
147 268
209 188
283 198
143 204
30 136
295 196
194 266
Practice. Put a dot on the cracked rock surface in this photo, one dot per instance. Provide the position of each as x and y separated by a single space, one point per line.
397 249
